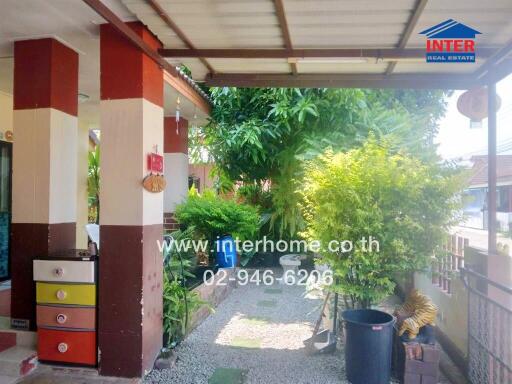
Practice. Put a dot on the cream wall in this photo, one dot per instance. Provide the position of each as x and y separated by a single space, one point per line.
6 124
452 317
82 196
176 176
5 113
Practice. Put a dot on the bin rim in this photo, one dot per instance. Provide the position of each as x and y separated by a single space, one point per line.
390 322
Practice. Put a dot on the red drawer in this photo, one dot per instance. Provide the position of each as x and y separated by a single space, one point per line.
66 317
66 346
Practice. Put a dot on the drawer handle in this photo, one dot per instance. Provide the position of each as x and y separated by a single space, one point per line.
61 318
59 271
62 347
61 295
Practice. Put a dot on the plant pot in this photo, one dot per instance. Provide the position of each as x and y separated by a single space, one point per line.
368 346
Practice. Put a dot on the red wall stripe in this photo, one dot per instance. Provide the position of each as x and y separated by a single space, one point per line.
175 142
126 72
45 76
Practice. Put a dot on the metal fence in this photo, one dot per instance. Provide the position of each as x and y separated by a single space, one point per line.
489 329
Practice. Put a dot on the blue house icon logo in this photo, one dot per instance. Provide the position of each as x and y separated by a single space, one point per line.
450 42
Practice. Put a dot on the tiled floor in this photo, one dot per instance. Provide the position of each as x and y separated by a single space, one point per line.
59 375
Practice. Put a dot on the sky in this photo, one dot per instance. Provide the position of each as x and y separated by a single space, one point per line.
456 139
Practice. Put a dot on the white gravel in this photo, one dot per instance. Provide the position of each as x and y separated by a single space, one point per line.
279 330
275 335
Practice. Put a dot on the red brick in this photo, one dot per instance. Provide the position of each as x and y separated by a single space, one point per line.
413 351
428 379
431 353
411 378
422 368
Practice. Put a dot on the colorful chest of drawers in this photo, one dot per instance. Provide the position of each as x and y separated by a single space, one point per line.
66 308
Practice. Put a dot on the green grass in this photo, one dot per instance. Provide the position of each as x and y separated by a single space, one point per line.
267 303
228 376
242 342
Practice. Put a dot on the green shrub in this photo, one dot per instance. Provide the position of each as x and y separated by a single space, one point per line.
406 204
179 303
213 216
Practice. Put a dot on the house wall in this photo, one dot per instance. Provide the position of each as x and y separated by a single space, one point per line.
82 171
452 317
5 114
202 172
6 124
176 175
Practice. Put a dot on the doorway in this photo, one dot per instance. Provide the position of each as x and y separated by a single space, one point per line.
5 207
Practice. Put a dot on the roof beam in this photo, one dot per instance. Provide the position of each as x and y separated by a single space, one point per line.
132 37
495 62
177 30
424 81
334 53
283 23
411 24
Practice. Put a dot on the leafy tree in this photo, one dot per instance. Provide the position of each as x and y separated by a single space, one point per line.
405 204
258 135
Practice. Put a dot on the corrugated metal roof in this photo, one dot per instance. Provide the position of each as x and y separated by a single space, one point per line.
379 24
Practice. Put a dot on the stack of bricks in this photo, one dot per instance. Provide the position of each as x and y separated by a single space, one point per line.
417 363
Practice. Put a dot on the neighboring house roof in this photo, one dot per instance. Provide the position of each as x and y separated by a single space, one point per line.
480 169
450 29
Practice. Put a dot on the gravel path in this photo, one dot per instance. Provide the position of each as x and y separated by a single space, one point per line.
258 330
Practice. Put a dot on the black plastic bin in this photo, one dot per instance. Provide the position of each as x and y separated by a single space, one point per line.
368 346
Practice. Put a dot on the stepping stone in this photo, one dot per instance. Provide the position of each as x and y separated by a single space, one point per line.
256 320
243 342
267 303
228 376
274 291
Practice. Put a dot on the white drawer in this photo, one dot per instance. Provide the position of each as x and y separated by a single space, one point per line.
64 270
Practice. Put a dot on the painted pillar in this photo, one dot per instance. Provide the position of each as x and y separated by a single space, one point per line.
44 162
175 165
82 187
130 265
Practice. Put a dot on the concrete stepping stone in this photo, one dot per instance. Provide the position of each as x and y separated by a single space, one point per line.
267 303
256 320
274 291
243 342
228 376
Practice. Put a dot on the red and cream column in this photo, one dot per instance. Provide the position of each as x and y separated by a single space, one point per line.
175 166
44 162
130 265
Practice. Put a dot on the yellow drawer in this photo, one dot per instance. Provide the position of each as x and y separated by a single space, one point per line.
77 294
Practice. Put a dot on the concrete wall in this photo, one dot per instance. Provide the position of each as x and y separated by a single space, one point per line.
5 114
82 196
176 176
6 124
453 308
202 172
452 318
